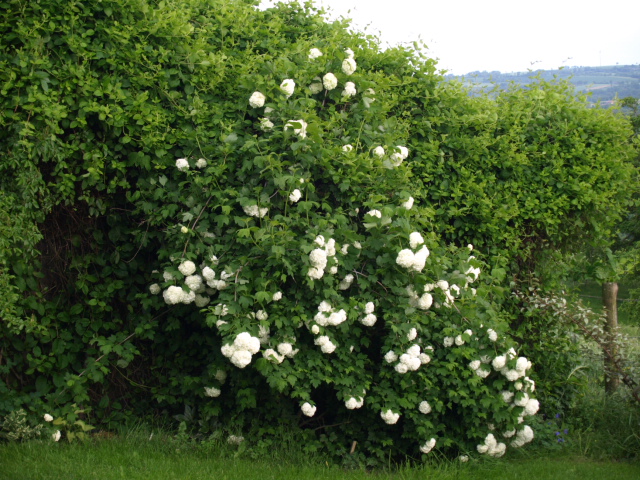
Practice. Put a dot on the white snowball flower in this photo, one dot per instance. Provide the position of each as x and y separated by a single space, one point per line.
187 268
201 163
347 148
155 289
425 301
413 333
273 356
173 295
194 282
308 409
287 86
346 282
499 362
523 437
448 341
212 392
390 417
201 301
261 315
285 348
424 407
390 356
405 258
257 100
48 418
459 340
463 458
56 436
532 407
315 329
301 131
316 86
318 258
244 341
369 320
330 81
415 239
328 347
295 196
493 336
353 403
522 364
424 358
402 368
512 375
349 89
375 213
349 66
420 259
482 373
428 446
475 364
241 358
277 296
369 307
408 204
182 164
378 151
266 124
507 396
349 53
314 53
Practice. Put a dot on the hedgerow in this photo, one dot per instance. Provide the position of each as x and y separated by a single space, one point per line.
264 216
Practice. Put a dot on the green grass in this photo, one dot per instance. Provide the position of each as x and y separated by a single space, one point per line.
161 457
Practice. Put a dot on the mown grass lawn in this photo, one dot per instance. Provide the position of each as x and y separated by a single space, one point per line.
164 458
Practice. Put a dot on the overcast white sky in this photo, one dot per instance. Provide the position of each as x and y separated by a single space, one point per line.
505 35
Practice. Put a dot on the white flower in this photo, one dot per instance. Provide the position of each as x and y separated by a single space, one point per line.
273 356
318 258
408 204
167 276
277 296
194 282
212 392
285 348
405 258
482 373
336 318
493 336
532 407
235 440
354 403
522 364
424 358
413 333
56 436
349 53
475 364
316 86
347 148
521 399
378 151
522 437
201 163
295 196
512 375
390 417
173 295
448 341
499 362
187 268
261 315
402 368
369 320
424 407
266 124
368 99
221 376
208 274
315 329
241 358
390 356
459 340
375 213
507 396
463 458
255 211
182 164
428 446
330 81
349 89
349 66
308 409
184 229
287 86
155 289
346 282
314 53
420 258
316 273
415 239
48 418
257 99
328 347
201 300
425 301
301 131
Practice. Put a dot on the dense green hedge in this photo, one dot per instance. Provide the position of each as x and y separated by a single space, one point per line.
133 143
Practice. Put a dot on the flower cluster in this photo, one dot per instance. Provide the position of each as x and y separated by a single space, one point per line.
255 211
319 257
241 350
308 409
369 318
212 392
257 100
390 417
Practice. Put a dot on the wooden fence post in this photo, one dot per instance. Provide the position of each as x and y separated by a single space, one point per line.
610 302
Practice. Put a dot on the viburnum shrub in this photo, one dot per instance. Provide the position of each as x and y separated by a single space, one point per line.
297 240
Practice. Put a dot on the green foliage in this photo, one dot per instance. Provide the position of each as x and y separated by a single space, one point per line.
130 147
16 428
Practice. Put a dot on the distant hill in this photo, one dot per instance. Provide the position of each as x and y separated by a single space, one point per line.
603 84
